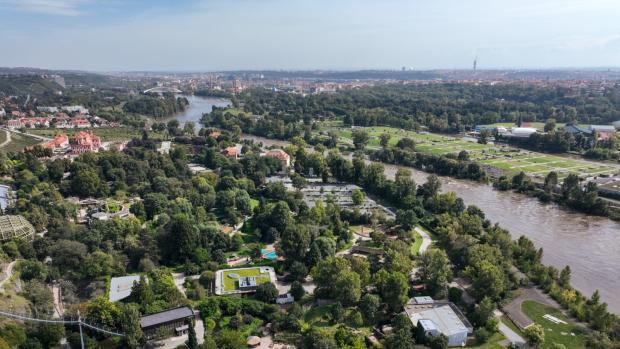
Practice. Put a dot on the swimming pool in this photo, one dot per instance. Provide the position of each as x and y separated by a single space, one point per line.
267 254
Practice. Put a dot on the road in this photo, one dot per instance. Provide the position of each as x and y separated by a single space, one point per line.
511 335
426 240
8 271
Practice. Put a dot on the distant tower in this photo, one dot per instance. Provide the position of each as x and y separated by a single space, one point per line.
475 63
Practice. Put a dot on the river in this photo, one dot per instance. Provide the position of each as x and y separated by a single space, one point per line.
590 245
197 107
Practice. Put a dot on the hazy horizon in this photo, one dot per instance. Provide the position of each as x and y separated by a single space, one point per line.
281 35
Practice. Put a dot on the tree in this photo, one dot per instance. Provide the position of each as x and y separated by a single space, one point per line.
267 292
535 335
86 183
130 325
395 290
299 182
297 290
360 138
189 128
192 341
384 140
229 339
549 125
369 305
358 197
435 270
101 311
564 279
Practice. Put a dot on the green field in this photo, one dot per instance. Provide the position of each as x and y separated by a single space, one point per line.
231 284
19 142
510 159
569 334
106 134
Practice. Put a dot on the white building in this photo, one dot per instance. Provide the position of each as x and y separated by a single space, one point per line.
522 132
2 112
437 318
164 148
75 108
285 299
120 287
47 109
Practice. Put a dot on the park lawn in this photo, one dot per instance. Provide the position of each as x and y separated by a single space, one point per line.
107 134
415 247
554 332
492 343
254 203
231 284
19 142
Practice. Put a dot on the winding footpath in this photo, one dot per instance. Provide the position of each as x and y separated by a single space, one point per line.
7 140
8 271
426 240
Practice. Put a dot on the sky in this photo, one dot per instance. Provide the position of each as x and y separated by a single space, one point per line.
213 35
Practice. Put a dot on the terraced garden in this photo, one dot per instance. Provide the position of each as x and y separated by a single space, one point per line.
510 159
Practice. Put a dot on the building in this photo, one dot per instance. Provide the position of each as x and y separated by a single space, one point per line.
164 147
439 317
12 227
522 132
80 123
85 141
60 141
2 112
285 299
48 109
603 132
120 287
575 129
173 322
280 155
242 280
75 108
232 152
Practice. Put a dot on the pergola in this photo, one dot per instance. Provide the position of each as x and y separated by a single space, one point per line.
15 227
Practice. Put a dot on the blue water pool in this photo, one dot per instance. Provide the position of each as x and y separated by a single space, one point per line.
269 254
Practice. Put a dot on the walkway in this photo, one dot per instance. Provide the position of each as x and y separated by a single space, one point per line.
516 314
426 240
7 140
511 335
8 271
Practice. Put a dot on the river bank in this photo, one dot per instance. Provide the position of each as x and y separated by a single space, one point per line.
590 245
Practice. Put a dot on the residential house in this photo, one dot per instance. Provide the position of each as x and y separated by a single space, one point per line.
280 155
285 299
603 132
232 152
80 123
59 142
85 141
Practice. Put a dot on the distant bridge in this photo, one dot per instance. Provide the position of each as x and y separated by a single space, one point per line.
163 89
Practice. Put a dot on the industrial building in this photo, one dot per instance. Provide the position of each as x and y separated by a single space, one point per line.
439 317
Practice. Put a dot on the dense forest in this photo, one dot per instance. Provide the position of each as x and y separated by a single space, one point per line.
155 106
442 107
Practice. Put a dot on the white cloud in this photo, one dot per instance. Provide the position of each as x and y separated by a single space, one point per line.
52 7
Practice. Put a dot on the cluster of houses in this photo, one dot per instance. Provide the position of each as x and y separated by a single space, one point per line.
81 142
64 117
234 152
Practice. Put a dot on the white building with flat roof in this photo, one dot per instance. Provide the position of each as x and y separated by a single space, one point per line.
439 318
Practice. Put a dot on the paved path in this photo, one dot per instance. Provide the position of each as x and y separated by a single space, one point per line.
8 138
516 314
426 240
59 308
8 271
511 335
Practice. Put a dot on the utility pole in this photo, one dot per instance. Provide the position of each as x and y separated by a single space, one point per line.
80 325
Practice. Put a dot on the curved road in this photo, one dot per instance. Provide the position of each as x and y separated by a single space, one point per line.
8 138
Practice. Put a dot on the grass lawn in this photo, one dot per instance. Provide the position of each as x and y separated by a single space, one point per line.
554 333
492 343
415 247
509 159
231 284
19 142
107 134
254 203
